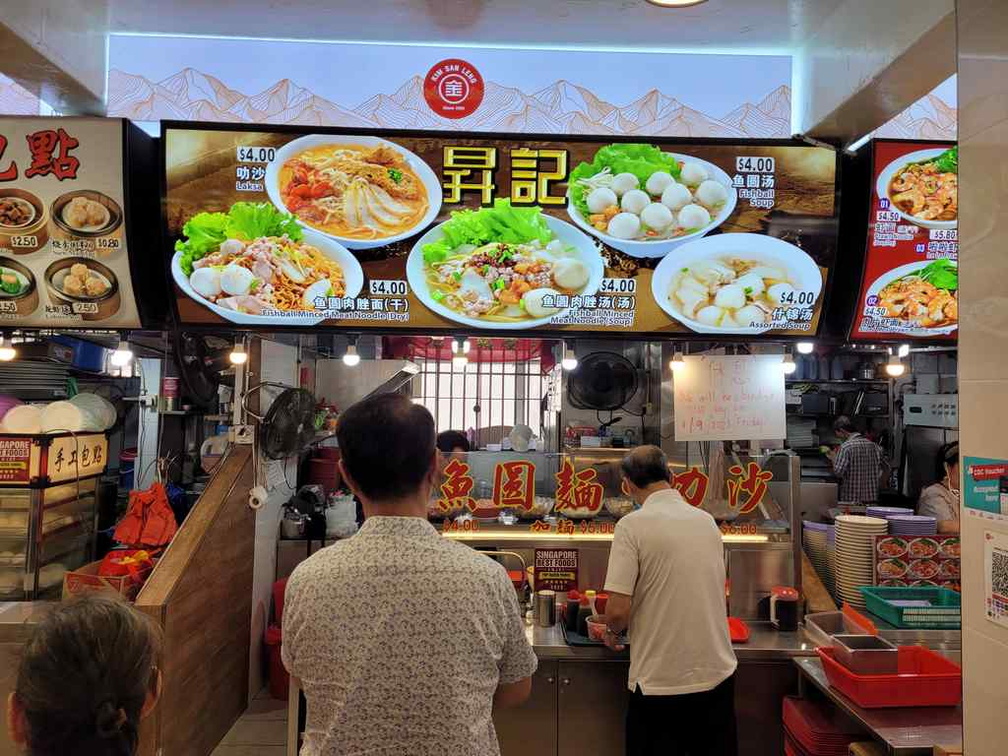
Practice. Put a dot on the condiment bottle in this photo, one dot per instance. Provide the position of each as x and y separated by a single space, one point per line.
591 600
584 612
571 614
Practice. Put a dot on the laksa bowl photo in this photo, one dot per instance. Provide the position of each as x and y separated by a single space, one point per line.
733 283
645 202
503 267
362 191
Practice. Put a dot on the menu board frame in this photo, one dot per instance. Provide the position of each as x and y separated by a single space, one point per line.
138 211
871 176
539 332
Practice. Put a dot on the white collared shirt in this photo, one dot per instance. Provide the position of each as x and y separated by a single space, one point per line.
669 557
400 638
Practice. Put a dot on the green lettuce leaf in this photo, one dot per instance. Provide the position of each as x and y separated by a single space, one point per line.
500 223
204 233
639 159
948 161
942 274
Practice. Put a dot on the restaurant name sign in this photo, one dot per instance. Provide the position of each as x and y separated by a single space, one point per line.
433 232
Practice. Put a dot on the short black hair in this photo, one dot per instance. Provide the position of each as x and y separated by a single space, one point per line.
387 445
948 455
843 424
450 440
645 465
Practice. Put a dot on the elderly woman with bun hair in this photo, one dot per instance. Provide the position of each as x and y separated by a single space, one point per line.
87 677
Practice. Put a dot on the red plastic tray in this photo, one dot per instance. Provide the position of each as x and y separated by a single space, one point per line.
738 630
924 679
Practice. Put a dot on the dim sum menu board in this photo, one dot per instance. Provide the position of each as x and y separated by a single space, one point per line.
63 256
911 282
448 231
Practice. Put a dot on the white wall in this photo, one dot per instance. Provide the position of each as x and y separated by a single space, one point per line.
279 364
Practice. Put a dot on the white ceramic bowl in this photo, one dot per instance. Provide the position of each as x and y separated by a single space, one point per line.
660 248
885 177
422 170
904 270
353 276
563 231
805 274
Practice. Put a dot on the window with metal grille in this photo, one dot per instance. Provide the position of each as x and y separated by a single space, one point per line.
488 397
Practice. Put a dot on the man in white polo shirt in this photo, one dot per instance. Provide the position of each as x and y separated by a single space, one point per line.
666 585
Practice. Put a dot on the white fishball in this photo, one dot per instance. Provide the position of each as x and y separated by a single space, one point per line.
624 226
752 282
676 197
694 216
601 198
693 174
731 297
634 201
657 216
751 315
778 293
533 301
710 315
711 194
232 247
570 273
206 282
236 280
658 182
623 183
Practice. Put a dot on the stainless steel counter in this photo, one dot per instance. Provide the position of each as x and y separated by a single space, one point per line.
764 644
903 732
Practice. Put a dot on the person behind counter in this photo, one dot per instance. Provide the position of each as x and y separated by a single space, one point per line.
87 676
859 463
941 500
402 640
665 580
453 443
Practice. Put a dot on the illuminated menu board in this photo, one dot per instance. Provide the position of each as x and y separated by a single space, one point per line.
486 233
63 244
910 287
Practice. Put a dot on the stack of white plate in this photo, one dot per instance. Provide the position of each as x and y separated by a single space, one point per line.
815 540
855 554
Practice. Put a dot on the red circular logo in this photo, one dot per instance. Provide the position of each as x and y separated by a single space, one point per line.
453 88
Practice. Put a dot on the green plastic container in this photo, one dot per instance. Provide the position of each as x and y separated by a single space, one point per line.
944 612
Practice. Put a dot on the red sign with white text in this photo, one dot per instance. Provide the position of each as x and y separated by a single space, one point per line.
453 88
911 280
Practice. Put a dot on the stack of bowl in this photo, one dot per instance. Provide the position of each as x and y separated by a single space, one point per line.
815 537
855 554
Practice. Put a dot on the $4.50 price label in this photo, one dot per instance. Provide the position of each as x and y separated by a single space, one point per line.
386 287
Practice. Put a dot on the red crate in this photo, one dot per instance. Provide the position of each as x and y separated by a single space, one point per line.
925 678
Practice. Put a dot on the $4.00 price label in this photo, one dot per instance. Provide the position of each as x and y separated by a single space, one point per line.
618 286
386 287
255 154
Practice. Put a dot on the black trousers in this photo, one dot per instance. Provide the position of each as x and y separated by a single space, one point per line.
693 724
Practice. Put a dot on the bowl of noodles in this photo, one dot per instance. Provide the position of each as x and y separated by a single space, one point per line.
362 191
256 265
923 187
920 298
503 267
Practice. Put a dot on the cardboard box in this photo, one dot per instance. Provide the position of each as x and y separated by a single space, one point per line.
87 579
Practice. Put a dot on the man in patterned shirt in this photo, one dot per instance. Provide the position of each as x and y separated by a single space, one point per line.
402 640
859 463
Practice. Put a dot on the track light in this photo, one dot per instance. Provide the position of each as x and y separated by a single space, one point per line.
894 367
466 346
7 351
789 365
569 361
238 355
461 346
677 362
122 355
805 347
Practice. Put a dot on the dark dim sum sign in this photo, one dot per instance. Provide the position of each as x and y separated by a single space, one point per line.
495 234
63 256
911 281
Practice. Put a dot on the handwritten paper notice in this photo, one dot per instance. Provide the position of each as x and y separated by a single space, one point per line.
722 398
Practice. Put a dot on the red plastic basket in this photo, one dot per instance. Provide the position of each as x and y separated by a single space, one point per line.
925 678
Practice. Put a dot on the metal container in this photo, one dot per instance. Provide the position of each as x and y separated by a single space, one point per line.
545 608
866 654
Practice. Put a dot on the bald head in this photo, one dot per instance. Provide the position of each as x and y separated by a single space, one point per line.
645 466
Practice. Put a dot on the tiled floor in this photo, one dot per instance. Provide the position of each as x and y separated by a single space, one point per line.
261 731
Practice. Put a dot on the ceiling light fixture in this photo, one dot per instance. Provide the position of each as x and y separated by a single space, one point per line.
805 347
894 367
238 355
569 360
7 352
122 355
677 362
789 365
904 350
